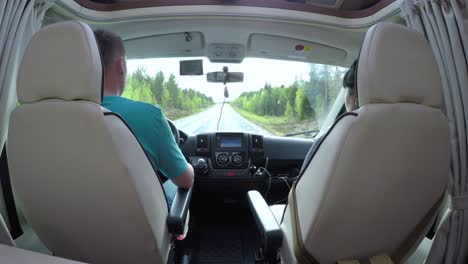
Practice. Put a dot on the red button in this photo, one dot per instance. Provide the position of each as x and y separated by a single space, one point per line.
299 47
230 173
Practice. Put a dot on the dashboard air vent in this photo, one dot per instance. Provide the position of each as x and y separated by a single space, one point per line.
257 142
202 141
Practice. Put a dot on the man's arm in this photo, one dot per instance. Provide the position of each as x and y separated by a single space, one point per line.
185 180
171 162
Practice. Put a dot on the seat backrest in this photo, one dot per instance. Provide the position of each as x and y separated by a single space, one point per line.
82 179
380 169
12 255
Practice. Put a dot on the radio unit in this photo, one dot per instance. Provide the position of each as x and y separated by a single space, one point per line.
230 150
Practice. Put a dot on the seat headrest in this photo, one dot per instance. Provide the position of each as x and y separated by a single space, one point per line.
396 65
62 61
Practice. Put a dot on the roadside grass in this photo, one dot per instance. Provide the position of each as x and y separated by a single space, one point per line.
278 126
174 113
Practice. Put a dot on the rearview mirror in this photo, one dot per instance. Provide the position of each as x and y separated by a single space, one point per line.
222 77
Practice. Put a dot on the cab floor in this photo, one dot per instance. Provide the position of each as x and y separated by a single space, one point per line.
224 245
230 237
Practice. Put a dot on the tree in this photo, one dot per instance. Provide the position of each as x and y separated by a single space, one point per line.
140 75
165 97
302 105
289 113
157 84
301 100
172 88
138 89
328 91
153 90
263 102
291 93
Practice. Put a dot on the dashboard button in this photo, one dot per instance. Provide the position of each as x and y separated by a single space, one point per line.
201 164
237 159
223 159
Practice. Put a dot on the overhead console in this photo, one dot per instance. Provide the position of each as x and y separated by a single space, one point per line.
225 52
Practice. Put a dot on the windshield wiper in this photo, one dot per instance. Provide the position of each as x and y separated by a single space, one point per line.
303 133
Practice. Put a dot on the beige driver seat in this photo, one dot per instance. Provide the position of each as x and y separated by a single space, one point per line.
375 182
82 180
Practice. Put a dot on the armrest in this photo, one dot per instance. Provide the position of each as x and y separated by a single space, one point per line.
270 231
177 218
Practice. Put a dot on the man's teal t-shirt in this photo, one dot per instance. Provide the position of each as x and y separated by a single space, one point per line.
150 127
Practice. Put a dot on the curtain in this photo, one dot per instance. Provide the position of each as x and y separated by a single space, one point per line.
445 25
19 19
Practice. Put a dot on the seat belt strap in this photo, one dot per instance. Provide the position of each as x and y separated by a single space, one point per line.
318 142
316 145
8 197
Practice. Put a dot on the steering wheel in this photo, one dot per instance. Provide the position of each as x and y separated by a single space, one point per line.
175 131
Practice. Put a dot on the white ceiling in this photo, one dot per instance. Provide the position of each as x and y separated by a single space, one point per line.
336 4
343 45
341 38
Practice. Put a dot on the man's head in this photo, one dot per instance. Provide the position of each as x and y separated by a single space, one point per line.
349 83
113 60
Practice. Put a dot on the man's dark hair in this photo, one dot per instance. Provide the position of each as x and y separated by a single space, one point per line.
349 80
110 45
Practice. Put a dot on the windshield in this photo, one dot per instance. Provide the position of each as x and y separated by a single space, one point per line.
282 98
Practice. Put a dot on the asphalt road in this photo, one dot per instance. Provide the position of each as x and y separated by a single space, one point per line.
207 120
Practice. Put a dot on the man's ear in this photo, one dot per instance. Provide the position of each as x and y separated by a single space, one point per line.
121 65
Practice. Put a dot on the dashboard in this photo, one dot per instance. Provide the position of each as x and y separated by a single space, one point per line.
228 164
238 157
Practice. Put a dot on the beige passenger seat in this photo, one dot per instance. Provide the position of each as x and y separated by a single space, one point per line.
80 176
12 255
376 180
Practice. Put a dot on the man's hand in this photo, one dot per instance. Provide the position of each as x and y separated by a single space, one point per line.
185 180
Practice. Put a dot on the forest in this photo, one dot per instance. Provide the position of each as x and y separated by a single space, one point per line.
281 110
297 107
175 101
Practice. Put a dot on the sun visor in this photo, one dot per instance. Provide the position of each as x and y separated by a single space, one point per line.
275 47
184 44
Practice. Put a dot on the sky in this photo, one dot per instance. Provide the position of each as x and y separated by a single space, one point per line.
257 72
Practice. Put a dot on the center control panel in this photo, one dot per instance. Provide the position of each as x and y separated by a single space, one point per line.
230 150
226 154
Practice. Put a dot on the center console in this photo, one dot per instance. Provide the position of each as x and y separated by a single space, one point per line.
229 164
230 150
227 155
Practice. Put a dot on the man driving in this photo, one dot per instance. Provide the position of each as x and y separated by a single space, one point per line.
147 122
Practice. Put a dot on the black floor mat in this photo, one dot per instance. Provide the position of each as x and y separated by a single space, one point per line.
220 245
227 244
221 231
